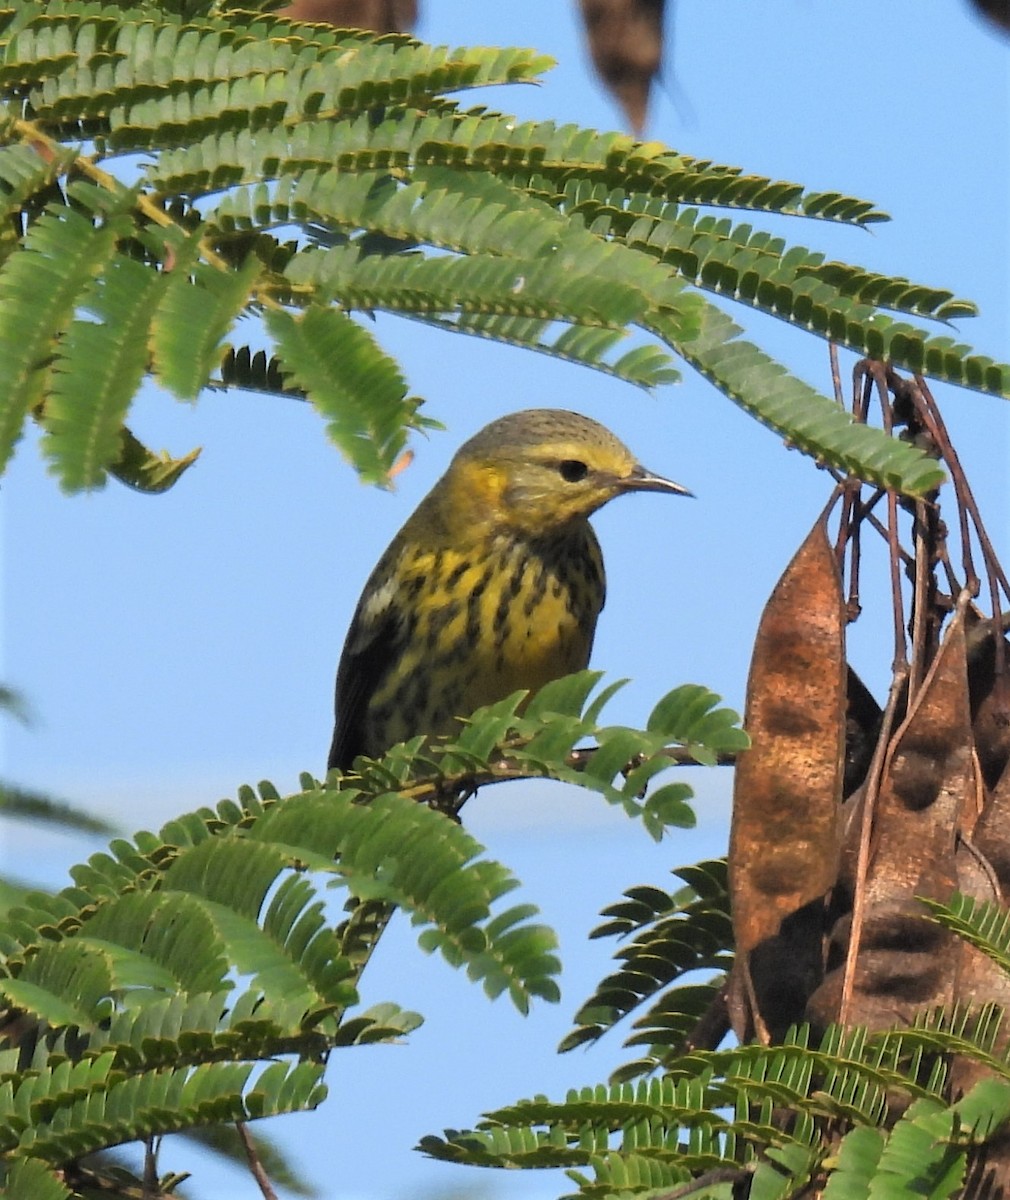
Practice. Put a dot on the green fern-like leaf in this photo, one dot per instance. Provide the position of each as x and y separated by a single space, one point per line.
204 885
816 425
857 1164
260 166
963 1028
32 1179
195 312
540 742
689 721
587 346
92 1109
665 1121
355 385
984 925
179 963
147 470
39 288
925 1154
37 806
676 934
101 362
631 1139
254 371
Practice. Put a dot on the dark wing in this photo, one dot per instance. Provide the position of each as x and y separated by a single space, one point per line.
374 643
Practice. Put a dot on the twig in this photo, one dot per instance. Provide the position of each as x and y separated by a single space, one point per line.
32 135
900 664
507 770
94 1183
852 604
874 774
864 512
580 758
761 1030
708 1179
868 376
836 376
984 865
367 921
967 506
252 1154
926 408
876 373
920 602
711 1027
151 1189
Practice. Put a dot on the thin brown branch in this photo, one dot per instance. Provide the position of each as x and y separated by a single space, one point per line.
848 487
761 1031
506 770
255 1165
32 134
864 512
984 865
836 375
94 1183
151 1189
965 494
849 496
875 522
927 411
852 604
367 921
893 537
967 506
897 608
920 602
862 390
708 1179
874 775
711 1027
580 758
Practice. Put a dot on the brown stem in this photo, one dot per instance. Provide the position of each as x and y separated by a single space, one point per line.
711 1027
920 603
893 542
874 775
836 375
367 921
255 1166
506 770
862 390
864 512
897 607
708 1179
967 505
983 864
928 411
855 558
150 1187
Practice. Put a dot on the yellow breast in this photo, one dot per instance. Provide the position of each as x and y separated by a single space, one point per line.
485 625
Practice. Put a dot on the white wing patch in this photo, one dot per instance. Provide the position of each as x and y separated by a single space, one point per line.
376 602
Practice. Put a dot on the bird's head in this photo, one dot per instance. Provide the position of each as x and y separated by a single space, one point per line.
541 469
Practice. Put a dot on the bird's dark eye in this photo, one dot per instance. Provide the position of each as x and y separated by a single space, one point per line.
572 470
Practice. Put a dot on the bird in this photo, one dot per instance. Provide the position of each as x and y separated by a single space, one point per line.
493 585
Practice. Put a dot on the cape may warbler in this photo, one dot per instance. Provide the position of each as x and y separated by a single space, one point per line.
494 583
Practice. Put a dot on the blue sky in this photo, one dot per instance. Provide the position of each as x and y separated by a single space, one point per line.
176 647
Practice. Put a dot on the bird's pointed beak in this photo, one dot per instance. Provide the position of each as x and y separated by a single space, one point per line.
642 480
